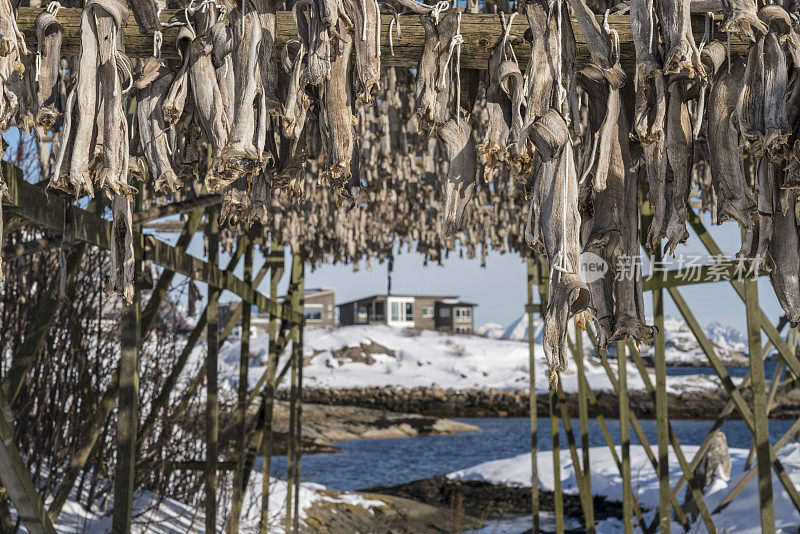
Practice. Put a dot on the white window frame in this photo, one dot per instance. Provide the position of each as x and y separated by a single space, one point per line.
401 318
427 312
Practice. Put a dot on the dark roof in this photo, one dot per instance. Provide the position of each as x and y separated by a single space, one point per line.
370 297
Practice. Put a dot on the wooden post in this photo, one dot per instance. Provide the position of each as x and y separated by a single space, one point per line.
128 397
662 417
292 437
761 423
558 496
241 405
625 438
583 414
301 301
533 279
276 263
212 402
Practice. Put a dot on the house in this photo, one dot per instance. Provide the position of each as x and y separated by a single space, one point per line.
428 312
319 312
320 308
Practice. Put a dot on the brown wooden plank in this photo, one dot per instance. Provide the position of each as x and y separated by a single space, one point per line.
481 32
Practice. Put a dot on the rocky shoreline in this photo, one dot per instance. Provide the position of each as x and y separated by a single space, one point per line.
435 401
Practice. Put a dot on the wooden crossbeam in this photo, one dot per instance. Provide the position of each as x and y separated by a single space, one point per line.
481 32
34 204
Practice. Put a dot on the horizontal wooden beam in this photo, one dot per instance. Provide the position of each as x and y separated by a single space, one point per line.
34 204
175 208
481 32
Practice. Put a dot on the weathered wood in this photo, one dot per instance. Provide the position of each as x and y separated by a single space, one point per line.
161 288
49 211
275 261
292 443
481 32
625 437
246 242
175 208
772 333
212 369
760 413
661 400
127 413
733 392
583 415
299 425
532 280
17 479
12 252
697 495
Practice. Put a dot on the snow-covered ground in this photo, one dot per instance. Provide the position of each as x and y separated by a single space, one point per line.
424 358
740 516
158 515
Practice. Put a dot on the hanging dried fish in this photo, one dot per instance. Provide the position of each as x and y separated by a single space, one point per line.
459 185
336 117
681 57
727 170
12 47
556 199
176 97
740 16
152 87
366 18
241 155
48 36
121 277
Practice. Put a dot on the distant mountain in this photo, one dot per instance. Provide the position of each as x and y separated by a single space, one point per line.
682 347
492 330
518 330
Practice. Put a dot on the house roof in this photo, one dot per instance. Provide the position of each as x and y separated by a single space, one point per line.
384 295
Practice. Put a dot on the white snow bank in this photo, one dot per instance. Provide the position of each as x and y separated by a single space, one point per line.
740 516
425 358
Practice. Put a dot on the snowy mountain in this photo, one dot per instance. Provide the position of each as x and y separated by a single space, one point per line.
518 330
492 330
682 347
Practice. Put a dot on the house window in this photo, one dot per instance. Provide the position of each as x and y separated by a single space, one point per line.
427 312
444 313
409 311
362 313
463 314
313 312
395 311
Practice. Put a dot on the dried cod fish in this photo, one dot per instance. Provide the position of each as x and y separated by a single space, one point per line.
459 186
48 36
734 201
556 199
152 88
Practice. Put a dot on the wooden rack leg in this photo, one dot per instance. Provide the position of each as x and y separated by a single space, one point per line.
761 423
533 279
212 402
242 390
128 400
625 437
583 414
662 415
276 263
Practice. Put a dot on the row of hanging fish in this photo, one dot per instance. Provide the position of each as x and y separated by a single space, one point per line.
439 156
